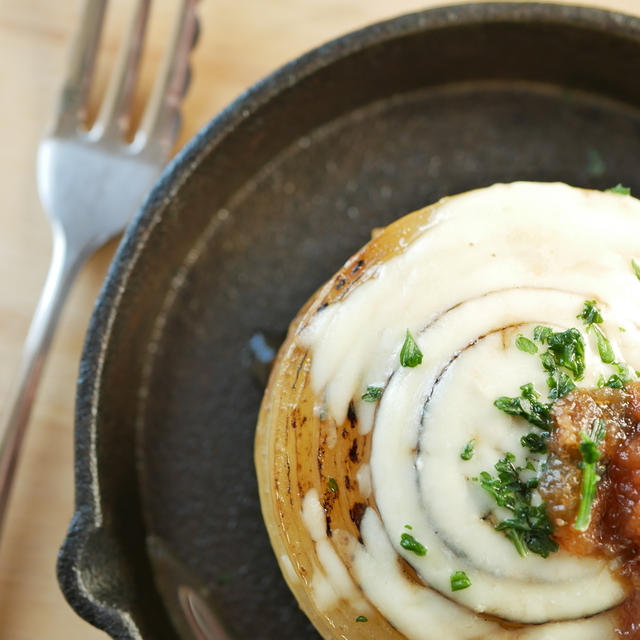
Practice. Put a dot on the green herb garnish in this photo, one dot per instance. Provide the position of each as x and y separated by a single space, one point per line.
592 317
410 354
529 528
623 191
460 580
590 456
535 442
567 349
467 452
623 371
333 485
372 394
408 542
559 383
526 345
542 333
590 313
604 346
616 380
362 619
636 268
527 406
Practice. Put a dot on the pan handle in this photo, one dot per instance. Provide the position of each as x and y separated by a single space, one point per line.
105 583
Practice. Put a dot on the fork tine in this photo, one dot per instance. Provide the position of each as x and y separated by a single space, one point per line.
113 119
161 118
71 109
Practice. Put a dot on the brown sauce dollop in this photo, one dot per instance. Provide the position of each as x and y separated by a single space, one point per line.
614 530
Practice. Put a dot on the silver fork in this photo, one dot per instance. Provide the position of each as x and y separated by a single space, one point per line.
91 182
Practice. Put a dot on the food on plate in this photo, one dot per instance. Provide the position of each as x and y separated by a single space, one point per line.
449 443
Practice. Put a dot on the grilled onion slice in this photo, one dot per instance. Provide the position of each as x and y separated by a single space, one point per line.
344 480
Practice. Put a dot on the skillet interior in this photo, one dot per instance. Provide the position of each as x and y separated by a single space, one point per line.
257 212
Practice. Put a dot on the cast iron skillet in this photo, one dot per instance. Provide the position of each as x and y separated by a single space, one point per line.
259 209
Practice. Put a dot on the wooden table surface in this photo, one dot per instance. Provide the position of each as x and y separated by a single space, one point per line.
241 40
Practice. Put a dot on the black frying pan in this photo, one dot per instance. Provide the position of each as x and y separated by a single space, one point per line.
258 210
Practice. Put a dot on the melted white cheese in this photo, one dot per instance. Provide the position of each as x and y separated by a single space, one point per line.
287 568
489 265
363 476
331 581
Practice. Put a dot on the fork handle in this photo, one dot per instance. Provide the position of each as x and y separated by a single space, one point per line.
64 266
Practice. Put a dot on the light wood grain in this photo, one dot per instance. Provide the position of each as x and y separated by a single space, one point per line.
241 41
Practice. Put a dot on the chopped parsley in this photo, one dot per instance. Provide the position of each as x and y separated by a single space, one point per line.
408 542
410 354
527 406
526 345
529 527
333 485
592 317
542 333
567 350
636 268
362 619
623 370
613 382
535 442
467 452
616 380
372 394
604 346
590 456
590 313
460 580
563 360
559 383
623 191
